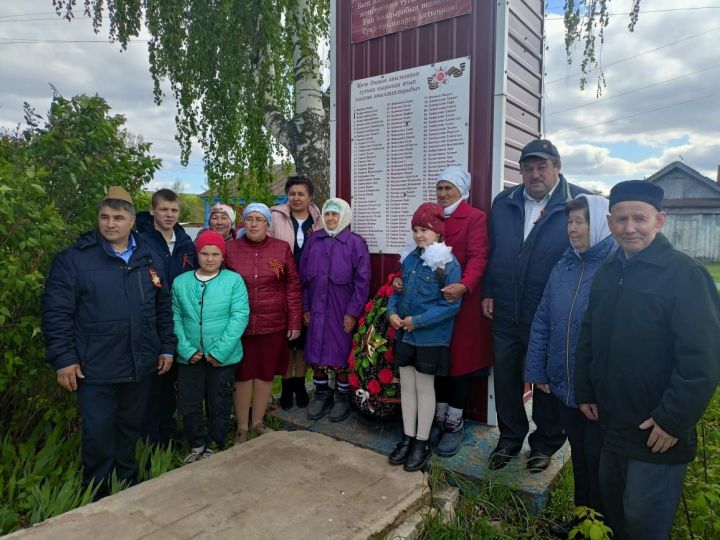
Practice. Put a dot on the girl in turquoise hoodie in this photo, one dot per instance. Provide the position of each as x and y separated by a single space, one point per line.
210 311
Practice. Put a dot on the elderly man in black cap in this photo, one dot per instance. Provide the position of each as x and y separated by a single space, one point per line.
647 364
107 322
528 233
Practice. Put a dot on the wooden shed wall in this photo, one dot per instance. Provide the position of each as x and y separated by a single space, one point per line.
524 74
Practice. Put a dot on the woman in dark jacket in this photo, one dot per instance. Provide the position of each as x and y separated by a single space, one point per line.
554 333
268 268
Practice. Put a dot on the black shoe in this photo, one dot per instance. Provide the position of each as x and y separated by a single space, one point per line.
401 451
286 395
419 456
501 456
436 432
321 402
341 408
450 442
562 529
301 396
537 461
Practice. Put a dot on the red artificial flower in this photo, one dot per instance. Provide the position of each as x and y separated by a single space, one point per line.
385 376
389 291
369 306
361 322
389 356
373 386
351 361
391 333
354 380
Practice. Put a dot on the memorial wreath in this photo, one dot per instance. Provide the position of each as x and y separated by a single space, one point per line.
373 374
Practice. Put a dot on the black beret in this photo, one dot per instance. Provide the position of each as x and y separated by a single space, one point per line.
637 190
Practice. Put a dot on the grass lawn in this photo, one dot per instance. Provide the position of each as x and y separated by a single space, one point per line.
714 269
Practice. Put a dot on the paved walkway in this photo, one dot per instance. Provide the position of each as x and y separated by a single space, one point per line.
469 464
285 485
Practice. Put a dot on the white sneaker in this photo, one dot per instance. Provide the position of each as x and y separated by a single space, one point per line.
196 454
207 453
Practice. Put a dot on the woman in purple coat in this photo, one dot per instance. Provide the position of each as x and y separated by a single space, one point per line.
335 275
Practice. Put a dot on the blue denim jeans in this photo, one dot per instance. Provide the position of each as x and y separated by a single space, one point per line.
639 498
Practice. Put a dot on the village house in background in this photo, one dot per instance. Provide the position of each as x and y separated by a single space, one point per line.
277 188
692 203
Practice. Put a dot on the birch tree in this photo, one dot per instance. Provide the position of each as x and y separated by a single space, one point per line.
585 22
245 75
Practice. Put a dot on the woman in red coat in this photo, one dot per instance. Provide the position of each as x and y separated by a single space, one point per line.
471 346
268 268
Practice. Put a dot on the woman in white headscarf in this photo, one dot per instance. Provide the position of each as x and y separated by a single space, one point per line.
470 348
550 361
222 221
335 277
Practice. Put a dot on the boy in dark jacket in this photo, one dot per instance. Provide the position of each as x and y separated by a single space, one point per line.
107 323
173 253
647 364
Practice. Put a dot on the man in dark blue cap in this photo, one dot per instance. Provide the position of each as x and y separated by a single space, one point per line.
528 233
647 364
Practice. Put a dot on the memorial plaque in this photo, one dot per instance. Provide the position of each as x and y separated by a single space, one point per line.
406 127
374 18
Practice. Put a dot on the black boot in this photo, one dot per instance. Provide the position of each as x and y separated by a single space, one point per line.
301 396
419 456
341 408
401 451
321 403
286 395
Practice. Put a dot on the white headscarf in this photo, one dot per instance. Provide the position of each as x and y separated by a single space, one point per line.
458 177
223 209
342 208
598 208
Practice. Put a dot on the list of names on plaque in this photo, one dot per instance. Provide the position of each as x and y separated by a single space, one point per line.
406 127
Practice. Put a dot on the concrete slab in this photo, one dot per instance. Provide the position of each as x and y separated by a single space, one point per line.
286 485
466 469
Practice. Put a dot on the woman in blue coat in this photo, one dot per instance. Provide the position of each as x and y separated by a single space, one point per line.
554 333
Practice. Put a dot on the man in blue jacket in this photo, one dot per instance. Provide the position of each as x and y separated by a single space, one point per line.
528 234
174 253
107 322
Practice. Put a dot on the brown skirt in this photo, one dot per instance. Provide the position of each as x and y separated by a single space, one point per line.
264 356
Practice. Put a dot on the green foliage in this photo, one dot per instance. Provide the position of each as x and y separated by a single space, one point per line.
51 179
592 525
192 208
40 476
229 64
714 269
84 151
30 232
699 512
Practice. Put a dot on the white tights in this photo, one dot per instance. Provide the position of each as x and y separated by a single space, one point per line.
417 397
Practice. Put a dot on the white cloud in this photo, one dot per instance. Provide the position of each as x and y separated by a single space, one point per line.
631 132
651 101
121 77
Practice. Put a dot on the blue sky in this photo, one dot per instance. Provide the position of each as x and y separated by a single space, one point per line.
659 106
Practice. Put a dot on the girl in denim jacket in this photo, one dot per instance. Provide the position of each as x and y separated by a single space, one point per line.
424 323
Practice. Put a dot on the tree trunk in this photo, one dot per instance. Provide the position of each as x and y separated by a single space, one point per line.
306 136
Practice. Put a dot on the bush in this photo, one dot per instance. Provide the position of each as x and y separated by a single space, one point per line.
31 231
51 179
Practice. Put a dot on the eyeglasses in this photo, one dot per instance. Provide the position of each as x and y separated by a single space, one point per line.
255 220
